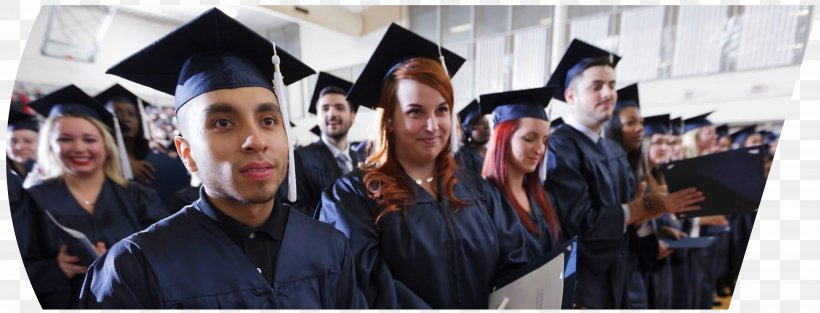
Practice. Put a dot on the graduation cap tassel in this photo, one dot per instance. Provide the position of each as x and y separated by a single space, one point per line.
125 163
146 129
279 86
542 170
453 115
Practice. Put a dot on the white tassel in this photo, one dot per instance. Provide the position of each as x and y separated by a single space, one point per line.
453 116
123 153
146 129
542 170
279 86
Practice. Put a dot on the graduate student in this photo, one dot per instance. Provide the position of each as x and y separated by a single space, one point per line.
21 151
515 163
319 164
83 188
148 166
626 128
595 192
235 247
422 231
21 143
475 130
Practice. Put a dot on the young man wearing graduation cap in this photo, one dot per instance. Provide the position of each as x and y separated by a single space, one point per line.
319 164
475 135
595 192
235 247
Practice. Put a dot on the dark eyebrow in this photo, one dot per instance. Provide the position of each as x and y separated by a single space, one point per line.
219 107
268 107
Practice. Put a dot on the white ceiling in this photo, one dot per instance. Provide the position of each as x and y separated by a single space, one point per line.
258 19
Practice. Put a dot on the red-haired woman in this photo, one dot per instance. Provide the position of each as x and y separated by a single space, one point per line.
516 151
421 232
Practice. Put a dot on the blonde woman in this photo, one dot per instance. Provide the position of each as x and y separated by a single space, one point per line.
83 188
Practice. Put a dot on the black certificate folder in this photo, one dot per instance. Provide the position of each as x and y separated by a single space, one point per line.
731 181
545 283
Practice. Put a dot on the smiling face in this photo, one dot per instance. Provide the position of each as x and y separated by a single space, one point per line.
234 140
21 145
78 145
631 128
593 95
528 144
334 115
421 124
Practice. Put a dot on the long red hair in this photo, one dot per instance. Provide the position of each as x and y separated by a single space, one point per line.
499 154
382 171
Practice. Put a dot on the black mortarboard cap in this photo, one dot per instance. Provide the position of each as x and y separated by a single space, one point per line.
740 135
578 55
722 130
211 52
628 97
325 80
19 121
696 122
677 126
71 100
397 45
657 124
469 114
118 91
511 105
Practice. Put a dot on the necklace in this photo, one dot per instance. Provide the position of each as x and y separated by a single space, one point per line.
428 180
88 203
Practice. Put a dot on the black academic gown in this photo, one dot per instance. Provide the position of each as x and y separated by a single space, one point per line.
19 213
430 256
590 182
469 159
537 244
658 277
119 212
317 169
187 262
169 177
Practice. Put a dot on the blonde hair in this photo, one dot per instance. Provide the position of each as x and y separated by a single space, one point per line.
651 175
50 163
689 140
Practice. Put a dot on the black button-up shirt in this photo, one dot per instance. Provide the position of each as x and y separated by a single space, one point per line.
260 244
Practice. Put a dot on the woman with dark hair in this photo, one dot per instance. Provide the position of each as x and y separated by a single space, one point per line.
155 169
82 188
421 231
517 150
626 126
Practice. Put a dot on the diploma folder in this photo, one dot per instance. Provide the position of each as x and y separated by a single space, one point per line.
731 181
690 243
545 283
77 243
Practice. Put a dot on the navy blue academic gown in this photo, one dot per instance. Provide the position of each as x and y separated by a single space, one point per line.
317 169
590 182
469 159
187 262
431 255
119 212
19 214
537 245
170 176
